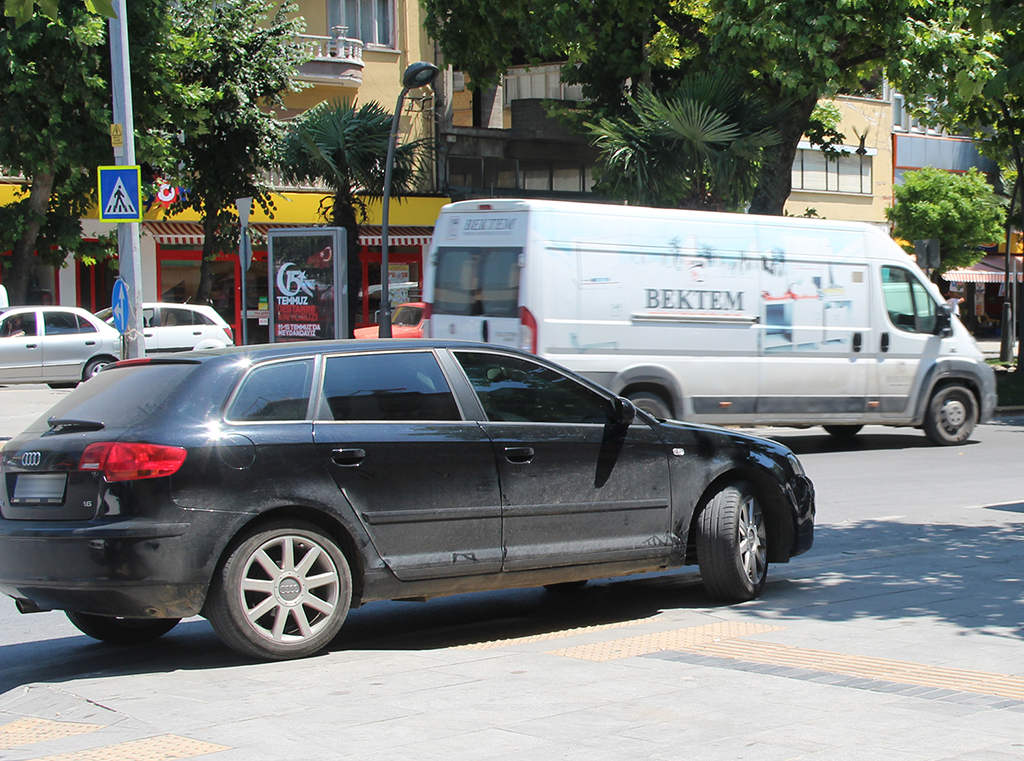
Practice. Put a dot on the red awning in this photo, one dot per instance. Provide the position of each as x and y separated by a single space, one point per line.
991 269
191 233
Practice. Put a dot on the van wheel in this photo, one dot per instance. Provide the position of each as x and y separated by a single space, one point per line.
651 403
952 415
843 432
732 544
121 631
282 593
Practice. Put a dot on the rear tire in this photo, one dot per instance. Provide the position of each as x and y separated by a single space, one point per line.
732 546
951 416
94 365
283 592
121 631
843 432
651 403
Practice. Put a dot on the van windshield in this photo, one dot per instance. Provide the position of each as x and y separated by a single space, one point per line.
477 281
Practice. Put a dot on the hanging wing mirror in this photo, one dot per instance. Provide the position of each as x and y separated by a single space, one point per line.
622 411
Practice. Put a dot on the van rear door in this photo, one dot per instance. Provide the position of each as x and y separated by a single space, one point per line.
476 293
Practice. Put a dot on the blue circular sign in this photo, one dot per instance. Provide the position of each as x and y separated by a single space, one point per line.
120 306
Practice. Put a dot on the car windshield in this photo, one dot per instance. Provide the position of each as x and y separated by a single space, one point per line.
406 315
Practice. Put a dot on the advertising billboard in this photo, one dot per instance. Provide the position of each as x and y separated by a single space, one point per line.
308 283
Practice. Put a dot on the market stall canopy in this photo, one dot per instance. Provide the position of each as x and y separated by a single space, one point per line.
991 269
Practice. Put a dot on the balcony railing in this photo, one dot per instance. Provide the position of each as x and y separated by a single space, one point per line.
336 58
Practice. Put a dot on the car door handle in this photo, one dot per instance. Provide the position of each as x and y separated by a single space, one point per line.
857 341
519 455
348 458
885 342
31 346
90 343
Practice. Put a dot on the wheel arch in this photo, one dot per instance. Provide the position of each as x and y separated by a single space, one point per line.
652 379
331 525
778 519
948 373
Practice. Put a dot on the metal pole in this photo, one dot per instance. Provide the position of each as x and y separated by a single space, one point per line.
128 246
384 323
244 252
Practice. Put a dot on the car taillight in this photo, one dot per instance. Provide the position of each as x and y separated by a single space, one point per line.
231 333
120 461
527 331
428 310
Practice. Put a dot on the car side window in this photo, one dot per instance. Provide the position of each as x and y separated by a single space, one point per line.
148 313
170 317
515 389
17 325
84 326
60 323
387 386
276 391
910 306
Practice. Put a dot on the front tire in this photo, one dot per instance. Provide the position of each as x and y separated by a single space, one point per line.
121 631
732 546
282 593
952 415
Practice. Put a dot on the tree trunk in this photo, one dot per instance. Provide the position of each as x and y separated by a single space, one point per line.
776 176
203 289
343 215
22 255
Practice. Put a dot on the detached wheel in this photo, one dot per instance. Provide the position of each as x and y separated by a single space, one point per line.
121 631
952 415
732 546
843 432
652 404
282 593
95 365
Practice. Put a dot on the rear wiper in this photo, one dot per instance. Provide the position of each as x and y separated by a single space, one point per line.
63 424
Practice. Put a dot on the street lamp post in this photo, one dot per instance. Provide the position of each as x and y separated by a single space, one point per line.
419 74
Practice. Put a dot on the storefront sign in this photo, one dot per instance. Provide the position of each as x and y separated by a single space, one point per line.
309 290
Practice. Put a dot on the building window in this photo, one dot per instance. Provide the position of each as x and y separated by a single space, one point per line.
371 21
849 173
545 81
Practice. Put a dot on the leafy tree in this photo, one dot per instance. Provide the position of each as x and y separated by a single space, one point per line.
697 148
55 124
960 210
345 148
789 52
22 11
237 61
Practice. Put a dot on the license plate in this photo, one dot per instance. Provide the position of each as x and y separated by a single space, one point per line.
39 489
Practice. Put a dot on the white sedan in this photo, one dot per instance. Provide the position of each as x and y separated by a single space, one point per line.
171 327
54 344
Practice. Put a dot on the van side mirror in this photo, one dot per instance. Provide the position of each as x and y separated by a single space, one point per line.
943 321
622 411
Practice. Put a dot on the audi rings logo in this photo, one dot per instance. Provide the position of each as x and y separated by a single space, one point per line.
31 459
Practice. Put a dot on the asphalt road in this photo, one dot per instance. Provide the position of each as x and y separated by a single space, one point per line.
900 635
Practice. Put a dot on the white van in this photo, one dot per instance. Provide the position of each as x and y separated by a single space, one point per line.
712 317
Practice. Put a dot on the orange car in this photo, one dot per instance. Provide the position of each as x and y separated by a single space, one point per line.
406 322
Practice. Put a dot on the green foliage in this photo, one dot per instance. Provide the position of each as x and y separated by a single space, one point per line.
696 148
235 61
345 147
54 127
22 11
960 210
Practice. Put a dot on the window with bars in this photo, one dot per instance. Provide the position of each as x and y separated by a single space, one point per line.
849 173
371 21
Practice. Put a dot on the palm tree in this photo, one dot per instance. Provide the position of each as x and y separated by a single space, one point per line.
696 148
344 147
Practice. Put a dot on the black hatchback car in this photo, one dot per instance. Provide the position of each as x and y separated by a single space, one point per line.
271 488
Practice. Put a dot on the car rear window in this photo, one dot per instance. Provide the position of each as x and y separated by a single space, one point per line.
119 397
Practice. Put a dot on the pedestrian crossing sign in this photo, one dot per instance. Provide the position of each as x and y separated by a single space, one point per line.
120 192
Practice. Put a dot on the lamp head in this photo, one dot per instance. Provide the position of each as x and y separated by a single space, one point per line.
419 74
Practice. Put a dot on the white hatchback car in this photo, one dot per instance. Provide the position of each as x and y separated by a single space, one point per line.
54 344
180 327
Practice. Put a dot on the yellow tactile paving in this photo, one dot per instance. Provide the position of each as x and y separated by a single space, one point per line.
869 668
677 639
161 748
31 730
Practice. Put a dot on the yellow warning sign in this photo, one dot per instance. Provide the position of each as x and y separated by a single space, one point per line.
117 136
